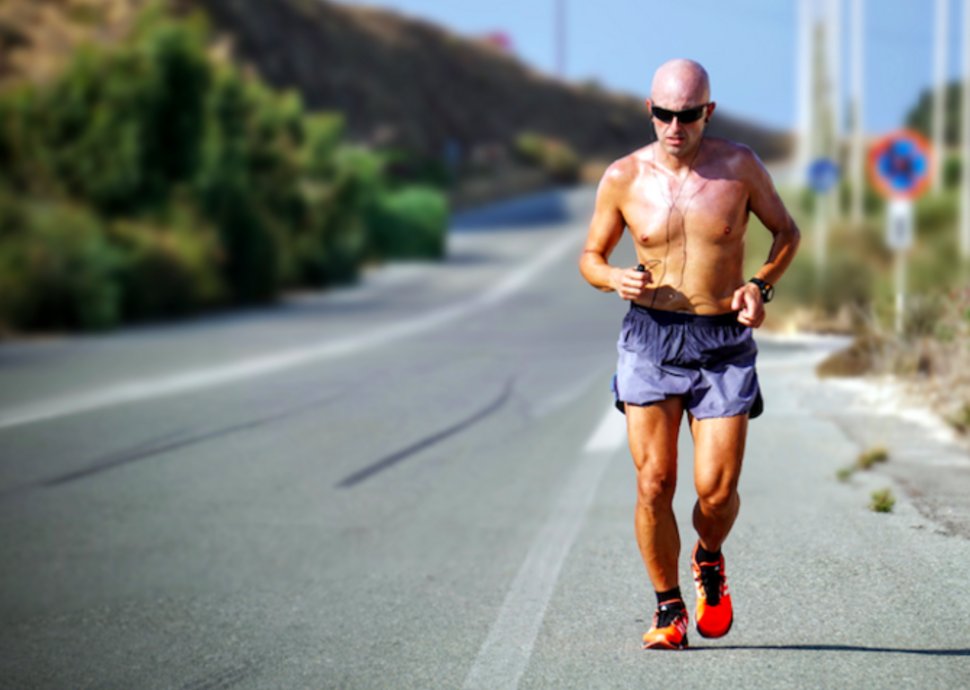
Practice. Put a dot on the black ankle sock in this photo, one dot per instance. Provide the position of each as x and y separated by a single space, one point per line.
705 556
671 595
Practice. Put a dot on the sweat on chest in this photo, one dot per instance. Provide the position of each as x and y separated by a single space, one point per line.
656 227
715 211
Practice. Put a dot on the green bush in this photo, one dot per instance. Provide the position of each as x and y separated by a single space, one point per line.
344 185
57 268
951 171
168 267
322 134
410 224
530 147
150 180
226 190
936 213
847 281
553 156
120 127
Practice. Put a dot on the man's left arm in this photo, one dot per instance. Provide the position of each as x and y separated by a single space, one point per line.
765 203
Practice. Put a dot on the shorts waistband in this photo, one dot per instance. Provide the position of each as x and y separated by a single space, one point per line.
665 318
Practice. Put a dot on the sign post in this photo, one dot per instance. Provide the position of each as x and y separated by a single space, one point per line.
900 167
823 175
899 238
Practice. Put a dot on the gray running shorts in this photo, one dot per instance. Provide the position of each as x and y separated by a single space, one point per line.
709 360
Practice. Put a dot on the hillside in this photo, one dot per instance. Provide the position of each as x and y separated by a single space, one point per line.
422 86
398 81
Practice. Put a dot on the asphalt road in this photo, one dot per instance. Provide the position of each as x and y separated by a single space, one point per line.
419 483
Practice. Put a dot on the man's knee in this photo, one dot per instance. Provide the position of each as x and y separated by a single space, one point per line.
717 496
655 487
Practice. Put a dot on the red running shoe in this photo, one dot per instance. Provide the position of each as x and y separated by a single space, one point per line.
714 614
669 629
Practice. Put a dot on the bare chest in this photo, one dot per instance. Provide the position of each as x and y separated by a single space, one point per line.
660 211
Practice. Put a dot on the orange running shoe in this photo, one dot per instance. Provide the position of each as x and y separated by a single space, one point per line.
714 614
669 629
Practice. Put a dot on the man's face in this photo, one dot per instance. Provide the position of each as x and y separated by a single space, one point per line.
680 86
680 139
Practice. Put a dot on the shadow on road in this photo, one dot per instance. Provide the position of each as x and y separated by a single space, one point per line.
546 208
834 648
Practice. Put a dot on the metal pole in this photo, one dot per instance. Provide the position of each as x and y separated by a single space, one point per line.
900 290
939 90
857 162
803 89
899 236
833 18
561 38
965 134
834 36
821 235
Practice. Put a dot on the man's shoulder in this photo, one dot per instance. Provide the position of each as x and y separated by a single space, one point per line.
737 160
623 171
731 150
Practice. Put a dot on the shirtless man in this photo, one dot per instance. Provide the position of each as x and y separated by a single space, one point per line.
686 343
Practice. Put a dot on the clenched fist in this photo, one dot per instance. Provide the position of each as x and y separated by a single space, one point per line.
631 283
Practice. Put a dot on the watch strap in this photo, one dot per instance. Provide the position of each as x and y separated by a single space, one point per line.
766 288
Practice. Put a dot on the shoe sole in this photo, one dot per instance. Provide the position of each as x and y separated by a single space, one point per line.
666 646
714 637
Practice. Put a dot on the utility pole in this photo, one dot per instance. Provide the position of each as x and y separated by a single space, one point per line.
824 139
965 134
804 85
561 38
939 92
856 152
833 34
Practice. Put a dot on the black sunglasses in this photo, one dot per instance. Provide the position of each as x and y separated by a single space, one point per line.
684 117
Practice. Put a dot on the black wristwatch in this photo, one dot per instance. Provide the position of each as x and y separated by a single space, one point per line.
767 289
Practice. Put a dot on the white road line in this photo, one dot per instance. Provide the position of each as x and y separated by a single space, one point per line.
505 654
610 434
132 391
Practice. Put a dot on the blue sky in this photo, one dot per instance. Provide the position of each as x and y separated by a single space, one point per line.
748 46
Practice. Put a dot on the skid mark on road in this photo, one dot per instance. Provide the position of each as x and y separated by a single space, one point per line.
403 454
166 444
222 680
505 654
134 391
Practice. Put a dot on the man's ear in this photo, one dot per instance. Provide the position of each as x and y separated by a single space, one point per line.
710 111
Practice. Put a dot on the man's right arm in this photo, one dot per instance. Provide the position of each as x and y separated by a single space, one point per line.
605 231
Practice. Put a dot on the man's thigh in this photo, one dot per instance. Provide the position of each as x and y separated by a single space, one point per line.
718 452
652 431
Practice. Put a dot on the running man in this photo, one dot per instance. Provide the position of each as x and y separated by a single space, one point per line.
686 344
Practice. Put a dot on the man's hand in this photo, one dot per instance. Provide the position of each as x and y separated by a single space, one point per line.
630 283
747 301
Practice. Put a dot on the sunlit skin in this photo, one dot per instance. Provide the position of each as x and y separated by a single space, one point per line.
685 200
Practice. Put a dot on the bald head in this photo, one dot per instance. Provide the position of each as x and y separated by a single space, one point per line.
679 84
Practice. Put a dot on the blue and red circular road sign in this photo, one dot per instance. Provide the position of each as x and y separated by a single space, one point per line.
900 165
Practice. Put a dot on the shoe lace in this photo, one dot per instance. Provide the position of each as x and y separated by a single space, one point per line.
711 581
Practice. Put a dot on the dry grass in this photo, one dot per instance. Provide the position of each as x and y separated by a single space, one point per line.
882 501
932 360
